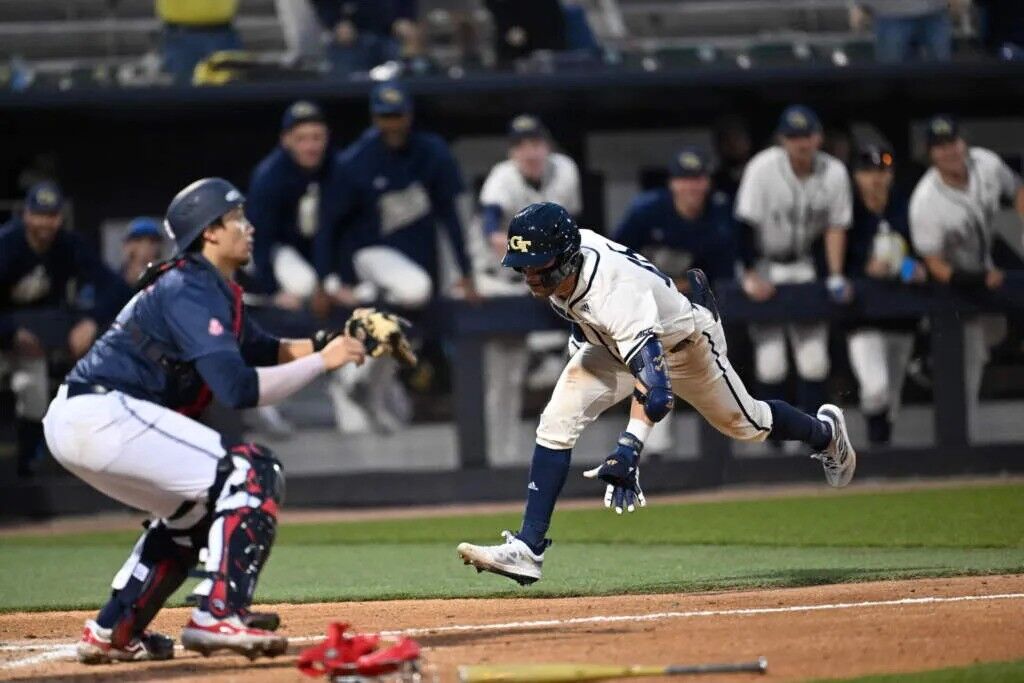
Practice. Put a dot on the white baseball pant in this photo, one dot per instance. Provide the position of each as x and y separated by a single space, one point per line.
30 384
879 362
139 453
294 274
399 280
700 372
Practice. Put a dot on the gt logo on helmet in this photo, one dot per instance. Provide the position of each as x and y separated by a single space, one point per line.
517 243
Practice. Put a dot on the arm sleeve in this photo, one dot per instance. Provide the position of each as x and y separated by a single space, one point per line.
281 381
447 186
490 215
925 230
233 382
840 211
263 210
258 347
336 203
746 243
750 205
633 228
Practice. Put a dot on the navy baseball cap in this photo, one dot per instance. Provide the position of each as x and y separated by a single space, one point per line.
873 155
300 112
44 197
942 128
143 227
390 98
527 127
689 162
798 121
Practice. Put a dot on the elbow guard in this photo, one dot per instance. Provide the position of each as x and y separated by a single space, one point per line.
649 368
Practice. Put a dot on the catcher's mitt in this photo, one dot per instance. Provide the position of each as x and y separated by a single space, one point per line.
381 333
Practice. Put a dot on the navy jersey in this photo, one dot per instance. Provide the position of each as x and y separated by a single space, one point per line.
675 244
395 198
283 205
68 275
182 335
866 224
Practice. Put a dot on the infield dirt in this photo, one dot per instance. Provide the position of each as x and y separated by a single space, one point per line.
839 638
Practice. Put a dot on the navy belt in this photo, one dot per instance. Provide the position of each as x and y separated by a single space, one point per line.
83 389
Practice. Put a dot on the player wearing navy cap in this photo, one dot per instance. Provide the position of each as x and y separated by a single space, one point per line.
142 244
878 248
791 196
43 267
388 194
685 225
952 223
124 422
284 201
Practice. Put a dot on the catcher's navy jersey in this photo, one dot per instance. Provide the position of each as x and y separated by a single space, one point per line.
380 196
867 224
675 244
283 203
189 314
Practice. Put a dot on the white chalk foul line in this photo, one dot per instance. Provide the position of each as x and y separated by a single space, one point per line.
61 650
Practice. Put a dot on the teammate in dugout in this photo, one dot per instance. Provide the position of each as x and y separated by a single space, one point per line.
682 226
879 351
124 422
644 339
952 223
791 195
44 267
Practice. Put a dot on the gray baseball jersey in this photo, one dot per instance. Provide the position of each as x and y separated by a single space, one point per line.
954 223
790 213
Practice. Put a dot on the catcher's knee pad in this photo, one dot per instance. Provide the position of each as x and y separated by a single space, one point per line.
158 565
243 529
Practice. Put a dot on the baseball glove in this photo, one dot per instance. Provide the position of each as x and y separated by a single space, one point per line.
381 333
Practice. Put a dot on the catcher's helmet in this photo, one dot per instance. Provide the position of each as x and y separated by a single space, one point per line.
540 234
198 206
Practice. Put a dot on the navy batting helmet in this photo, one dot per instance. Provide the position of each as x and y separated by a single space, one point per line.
541 234
197 207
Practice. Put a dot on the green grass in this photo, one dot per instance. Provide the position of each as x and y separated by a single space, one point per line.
696 546
990 672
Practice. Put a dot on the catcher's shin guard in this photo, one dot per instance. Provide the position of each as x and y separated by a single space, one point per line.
158 565
243 529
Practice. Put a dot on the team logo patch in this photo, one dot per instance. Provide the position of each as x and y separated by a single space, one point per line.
524 123
233 196
517 243
798 121
689 161
46 198
942 127
391 95
215 328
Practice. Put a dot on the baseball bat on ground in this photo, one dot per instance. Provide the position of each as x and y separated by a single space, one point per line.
560 673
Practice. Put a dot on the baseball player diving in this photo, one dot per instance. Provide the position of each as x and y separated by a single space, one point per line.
644 339
124 422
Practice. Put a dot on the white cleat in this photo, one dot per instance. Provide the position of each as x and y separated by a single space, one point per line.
839 460
95 647
512 559
206 633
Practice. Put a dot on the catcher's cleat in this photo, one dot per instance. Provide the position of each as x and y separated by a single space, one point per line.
206 633
268 621
512 559
95 647
839 460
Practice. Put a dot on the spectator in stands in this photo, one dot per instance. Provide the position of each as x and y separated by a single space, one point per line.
952 212
365 33
387 194
793 197
733 147
1002 27
520 28
143 244
908 29
283 203
42 268
533 172
687 224
194 30
879 351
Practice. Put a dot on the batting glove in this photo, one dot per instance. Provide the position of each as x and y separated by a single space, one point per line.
839 289
621 471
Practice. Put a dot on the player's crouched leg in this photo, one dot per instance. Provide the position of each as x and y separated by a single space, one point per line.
249 489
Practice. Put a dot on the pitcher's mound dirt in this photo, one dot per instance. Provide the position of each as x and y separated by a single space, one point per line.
844 637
